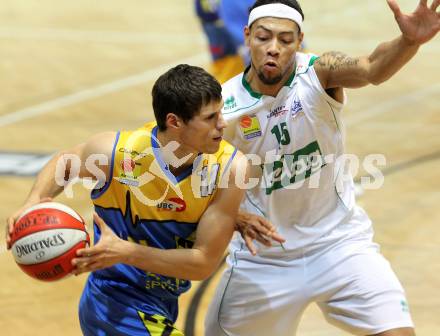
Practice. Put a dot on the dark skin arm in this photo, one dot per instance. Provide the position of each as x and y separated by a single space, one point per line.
337 70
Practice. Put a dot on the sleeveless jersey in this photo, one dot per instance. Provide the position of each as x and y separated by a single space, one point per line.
146 204
297 139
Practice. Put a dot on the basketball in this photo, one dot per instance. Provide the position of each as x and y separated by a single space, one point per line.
45 239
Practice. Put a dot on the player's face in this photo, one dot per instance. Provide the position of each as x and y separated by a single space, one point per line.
273 43
204 132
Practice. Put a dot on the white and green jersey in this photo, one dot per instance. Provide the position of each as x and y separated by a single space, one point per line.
298 139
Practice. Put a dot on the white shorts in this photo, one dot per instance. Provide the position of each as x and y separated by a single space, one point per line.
351 282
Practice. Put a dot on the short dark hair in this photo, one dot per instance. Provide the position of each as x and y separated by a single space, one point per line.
290 3
183 90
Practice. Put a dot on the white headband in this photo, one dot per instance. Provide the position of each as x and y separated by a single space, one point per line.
277 10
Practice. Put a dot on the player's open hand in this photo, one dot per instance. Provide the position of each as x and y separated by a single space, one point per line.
10 221
253 227
107 252
421 25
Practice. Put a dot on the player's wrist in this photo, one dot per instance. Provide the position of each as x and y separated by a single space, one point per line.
408 41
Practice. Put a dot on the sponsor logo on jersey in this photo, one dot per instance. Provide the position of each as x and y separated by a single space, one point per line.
133 153
172 204
250 127
293 168
296 107
404 305
277 112
131 170
128 165
128 181
230 103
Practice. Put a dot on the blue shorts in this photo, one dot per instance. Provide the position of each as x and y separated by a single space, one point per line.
112 308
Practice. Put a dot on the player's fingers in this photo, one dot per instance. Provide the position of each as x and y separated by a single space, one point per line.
277 237
268 225
250 245
10 224
83 267
263 240
8 231
435 4
258 227
394 7
88 251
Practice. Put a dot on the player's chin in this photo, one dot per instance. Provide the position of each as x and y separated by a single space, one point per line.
214 145
270 77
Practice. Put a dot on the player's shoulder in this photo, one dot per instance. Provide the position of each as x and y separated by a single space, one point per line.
238 96
233 83
304 61
101 142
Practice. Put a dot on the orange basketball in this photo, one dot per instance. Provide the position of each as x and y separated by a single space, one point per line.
45 240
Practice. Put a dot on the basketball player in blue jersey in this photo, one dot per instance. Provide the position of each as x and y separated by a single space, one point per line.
286 109
165 207
223 22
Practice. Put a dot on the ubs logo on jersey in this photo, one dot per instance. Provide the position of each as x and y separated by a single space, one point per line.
172 204
277 112
296 107
250 127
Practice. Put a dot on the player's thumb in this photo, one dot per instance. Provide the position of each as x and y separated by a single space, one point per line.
394 7
99 222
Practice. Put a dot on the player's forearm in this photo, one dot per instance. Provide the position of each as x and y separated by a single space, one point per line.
45 184
388 58
189 264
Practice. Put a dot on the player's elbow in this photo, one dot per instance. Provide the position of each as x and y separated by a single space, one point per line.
201 275
377 80
204 271
204 267
375 74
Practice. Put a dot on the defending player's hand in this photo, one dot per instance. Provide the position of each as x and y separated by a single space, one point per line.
10 221
421 25
253 227
107 252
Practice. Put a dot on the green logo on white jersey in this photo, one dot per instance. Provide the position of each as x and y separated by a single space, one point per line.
293 168
230 103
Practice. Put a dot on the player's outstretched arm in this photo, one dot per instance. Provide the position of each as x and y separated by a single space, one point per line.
214 232
336 69
46 187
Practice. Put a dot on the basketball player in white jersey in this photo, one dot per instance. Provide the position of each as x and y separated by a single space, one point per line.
286 109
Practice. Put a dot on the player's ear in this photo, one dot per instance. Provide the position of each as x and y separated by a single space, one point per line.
173 121
247 35
300 40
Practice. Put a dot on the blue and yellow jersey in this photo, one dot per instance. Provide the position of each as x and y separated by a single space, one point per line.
146 204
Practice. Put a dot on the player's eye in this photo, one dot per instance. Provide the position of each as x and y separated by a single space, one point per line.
262 38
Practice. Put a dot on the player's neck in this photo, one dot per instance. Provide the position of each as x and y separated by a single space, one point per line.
177 156
267 89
